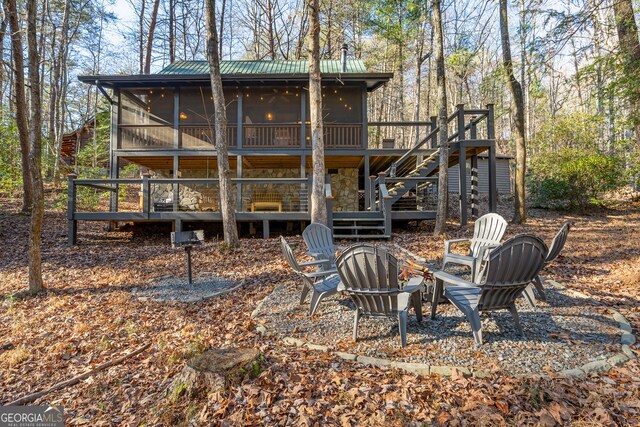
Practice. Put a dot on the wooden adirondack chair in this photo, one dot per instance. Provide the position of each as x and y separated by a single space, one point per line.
509 270
321 283
556 247
370 277
319 241
487 233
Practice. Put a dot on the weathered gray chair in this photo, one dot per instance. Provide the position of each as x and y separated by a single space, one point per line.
370 277
319 241
509 270
487 233
556 247
320 283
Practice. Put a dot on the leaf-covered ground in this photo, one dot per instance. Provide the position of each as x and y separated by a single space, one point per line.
88 316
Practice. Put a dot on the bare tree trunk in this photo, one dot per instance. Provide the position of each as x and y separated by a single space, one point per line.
143 5
61 83
152 28
20 102
318 204
226 191
630 50
172 31
35 145
443 135
517 121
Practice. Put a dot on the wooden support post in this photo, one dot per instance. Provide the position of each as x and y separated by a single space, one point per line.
365 120
372 192
462 166
367 183
239 184
434 126
239 136
491 136
176 186
385 205
265 228
177 138
329 205
303 186
303 118
474 187
114 143
72 224
146 193
177 226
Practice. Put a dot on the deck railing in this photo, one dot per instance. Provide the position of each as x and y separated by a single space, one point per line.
197 199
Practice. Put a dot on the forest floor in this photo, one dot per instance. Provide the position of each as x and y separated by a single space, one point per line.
88 315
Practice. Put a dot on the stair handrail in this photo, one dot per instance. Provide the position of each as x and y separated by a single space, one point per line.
479 114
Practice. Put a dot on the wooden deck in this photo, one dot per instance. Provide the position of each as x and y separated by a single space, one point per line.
397 182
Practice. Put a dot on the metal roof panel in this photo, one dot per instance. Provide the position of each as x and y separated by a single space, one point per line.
332 66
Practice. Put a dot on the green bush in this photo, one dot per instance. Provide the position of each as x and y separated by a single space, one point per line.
573 178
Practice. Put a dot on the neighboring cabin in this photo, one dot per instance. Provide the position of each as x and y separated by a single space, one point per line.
163 122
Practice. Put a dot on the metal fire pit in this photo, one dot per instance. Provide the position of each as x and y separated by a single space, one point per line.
187 240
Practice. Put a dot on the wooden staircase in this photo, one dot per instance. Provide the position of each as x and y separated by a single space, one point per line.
419 166
359 225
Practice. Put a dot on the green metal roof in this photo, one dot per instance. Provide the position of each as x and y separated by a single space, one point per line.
328 66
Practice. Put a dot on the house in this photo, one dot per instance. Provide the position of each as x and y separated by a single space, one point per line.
376 171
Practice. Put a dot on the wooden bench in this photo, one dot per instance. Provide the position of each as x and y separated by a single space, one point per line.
266 202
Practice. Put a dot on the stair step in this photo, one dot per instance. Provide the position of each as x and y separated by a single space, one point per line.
359 227
361 236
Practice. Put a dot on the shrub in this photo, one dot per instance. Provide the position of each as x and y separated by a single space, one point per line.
573 178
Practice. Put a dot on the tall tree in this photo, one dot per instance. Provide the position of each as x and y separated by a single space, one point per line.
35 153
630 50
226 191
517 117
20 100
443 135
150 33
318 205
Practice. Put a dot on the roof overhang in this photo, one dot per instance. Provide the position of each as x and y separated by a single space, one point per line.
372 80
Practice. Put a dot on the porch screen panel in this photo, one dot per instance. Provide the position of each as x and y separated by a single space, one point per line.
146 119
197 117
271 117
341 115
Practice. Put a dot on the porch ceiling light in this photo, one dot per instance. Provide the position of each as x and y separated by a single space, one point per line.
269 116
183 116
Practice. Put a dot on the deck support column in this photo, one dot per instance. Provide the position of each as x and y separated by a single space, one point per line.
239 184
145 194
372 192
176 187
72 224
265 228
491 136
474 187
462 166
367 183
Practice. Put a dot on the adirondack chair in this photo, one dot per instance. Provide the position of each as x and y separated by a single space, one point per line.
509 270
556 247
321 283
369 276
319 241
487 233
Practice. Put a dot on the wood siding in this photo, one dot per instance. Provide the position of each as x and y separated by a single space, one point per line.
503 176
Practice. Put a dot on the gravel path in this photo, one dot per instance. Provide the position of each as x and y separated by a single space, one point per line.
177 289
564 333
